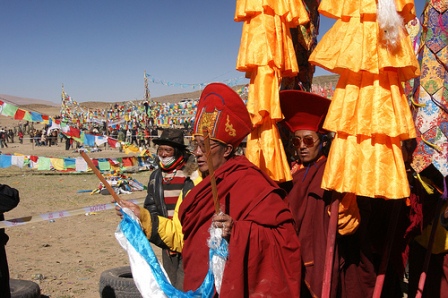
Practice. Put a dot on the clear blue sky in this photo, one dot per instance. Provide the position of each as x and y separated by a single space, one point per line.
99 49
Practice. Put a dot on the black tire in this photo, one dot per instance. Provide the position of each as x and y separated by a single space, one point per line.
118 283
24 289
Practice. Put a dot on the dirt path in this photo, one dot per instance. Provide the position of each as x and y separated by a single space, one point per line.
64 256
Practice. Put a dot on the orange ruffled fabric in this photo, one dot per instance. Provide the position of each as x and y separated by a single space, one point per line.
367 167
355 45
267 54
363 8
369 104
369 111
265 37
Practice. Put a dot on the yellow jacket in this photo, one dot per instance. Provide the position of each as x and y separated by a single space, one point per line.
170 230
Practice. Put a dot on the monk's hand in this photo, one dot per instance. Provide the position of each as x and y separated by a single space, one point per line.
133 207
223 221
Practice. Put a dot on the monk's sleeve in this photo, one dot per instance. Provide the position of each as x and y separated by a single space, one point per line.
170 230
349 216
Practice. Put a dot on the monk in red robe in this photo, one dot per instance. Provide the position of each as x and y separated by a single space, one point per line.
264 254
352 272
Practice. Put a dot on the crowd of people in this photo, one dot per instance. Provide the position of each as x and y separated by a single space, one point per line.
280 236
139 135
292 239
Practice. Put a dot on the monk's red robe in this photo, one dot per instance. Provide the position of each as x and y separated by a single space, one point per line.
353 272
309 205
264 254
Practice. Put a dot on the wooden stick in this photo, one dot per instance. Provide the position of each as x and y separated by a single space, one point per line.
331 242
211 170
101 177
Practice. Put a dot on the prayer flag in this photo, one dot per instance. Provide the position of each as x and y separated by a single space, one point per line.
9 110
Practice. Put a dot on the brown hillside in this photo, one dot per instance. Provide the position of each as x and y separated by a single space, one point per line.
53 109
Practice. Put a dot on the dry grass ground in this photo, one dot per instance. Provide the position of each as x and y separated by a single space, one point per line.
67 256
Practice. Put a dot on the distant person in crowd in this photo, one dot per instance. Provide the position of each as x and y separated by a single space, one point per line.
154 134
141 138
37 137
68 142
9 199
10 135
121 135
32 134
128 136
61 136
26 127
52 138
8 140
43 139
264 251
114 134
20 135
166 183
3 138
147 133
134 132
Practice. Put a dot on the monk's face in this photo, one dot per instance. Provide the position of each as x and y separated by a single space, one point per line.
308 145
218 152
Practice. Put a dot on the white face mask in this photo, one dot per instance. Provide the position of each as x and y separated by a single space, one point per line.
166 161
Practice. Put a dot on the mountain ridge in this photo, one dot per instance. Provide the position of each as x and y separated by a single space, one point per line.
171 98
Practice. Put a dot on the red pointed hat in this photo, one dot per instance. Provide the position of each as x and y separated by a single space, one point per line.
303 110
223 113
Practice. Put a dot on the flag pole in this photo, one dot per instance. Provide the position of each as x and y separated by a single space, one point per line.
101 177
211 170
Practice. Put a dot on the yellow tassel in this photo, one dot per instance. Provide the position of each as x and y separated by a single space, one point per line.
417 104
425 183
431 145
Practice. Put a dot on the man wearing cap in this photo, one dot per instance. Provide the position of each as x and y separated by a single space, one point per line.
165 185
304 114
264 254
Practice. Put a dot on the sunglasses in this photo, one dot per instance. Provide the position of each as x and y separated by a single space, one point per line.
308 141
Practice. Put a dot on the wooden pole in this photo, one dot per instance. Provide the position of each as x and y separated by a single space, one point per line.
329 252
100 176
211 170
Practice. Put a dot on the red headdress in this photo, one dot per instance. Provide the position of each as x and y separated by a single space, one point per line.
303 110
223 113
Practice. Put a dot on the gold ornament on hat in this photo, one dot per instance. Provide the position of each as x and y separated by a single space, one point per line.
208 121
229 128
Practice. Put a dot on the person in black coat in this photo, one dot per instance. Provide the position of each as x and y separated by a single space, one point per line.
9 199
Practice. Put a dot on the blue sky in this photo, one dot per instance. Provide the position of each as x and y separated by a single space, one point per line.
100 49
